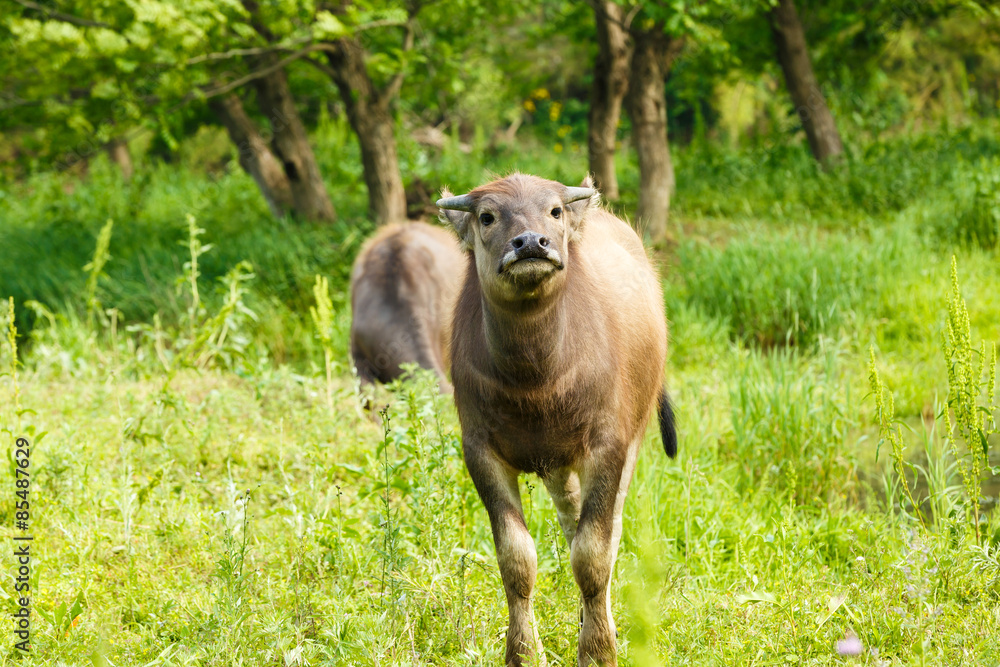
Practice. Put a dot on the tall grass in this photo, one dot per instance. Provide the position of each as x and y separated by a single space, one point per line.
776 181
767 541
975 219
786 290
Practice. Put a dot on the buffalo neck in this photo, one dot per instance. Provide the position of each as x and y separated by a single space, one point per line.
526 339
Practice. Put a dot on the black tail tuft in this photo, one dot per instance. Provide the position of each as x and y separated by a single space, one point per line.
668 429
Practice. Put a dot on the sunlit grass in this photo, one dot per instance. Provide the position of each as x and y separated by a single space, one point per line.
208 492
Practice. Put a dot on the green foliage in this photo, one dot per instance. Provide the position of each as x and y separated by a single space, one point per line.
976 216
231 614
785 290
889 431
95 269
971 396
64 615
10 329
322 317
789 429
368 544
775 180
53 233
968 415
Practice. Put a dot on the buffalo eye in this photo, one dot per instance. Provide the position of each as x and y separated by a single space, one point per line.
486 218
556 212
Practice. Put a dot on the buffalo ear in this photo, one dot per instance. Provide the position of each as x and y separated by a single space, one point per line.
455 211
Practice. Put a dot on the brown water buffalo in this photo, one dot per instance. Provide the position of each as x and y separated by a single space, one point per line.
403 287
558 350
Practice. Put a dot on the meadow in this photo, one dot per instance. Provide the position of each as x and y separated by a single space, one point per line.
206 489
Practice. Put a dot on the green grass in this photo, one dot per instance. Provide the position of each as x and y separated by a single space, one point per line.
787 290
210 499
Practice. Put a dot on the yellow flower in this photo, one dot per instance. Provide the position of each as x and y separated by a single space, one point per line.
554 111
558 148
540 94
529 105
563 131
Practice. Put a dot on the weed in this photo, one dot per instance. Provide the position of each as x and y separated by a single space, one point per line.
95 270
971 399
322 317
970 396
11 331
890 431
390 529
232 594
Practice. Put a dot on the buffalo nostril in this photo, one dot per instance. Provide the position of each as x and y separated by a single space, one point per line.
543 241
517 243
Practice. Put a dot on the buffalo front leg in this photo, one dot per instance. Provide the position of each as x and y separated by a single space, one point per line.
496 483
604 479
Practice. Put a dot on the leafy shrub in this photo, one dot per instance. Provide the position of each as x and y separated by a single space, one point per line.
977 208
783 290
781 181
49 236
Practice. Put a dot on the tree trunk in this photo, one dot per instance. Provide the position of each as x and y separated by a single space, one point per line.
255 157
652 57
793 54
611 71
370 117
118 152
290 144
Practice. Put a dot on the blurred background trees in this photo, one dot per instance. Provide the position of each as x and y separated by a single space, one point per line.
139 81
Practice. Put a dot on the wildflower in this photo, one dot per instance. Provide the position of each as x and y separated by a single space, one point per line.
529 106
554 111
563 131
540 93
849 645
558 148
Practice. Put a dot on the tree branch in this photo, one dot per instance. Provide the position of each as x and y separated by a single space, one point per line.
325 69
233 85
392 88
234 53
65 18
624 23
627 21
381 23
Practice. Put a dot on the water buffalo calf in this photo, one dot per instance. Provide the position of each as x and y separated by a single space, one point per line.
403 286
558 350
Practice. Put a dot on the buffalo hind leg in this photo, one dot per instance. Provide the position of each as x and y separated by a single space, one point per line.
564 488
604 481
516 557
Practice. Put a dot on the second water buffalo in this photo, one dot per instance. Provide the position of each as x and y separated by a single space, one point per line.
404 284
